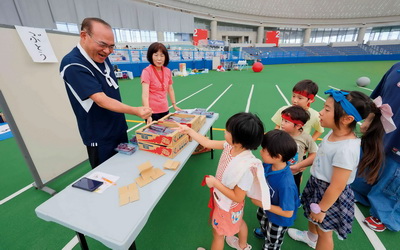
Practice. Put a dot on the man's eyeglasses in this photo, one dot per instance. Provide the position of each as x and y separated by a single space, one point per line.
102 44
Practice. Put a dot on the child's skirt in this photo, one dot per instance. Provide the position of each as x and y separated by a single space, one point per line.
340 215
227 223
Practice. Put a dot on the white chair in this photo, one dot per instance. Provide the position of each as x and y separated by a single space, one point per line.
241 64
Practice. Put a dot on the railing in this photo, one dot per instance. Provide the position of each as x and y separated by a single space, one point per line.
140 56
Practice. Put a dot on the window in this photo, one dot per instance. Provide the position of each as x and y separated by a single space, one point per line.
321 35
289 35
169 36
134 36
67 27
394 34
317 35
153 36
382 33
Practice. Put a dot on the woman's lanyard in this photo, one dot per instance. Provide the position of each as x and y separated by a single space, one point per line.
161 79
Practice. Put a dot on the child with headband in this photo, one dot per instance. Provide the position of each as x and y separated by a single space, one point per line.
327 199
293 120
303 95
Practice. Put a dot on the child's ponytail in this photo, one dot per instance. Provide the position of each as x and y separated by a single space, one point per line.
372 147
380 120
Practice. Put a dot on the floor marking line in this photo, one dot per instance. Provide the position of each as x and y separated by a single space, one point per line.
333 87
219 97
249 98
71 244
191 95
283 96
371 235
129 130
322 99
16 194
219 129
365 88
135 121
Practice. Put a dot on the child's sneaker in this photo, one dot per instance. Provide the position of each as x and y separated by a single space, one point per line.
258 233
233 242
301 236
375 224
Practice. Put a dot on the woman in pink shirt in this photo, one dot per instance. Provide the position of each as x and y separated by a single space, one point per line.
157 82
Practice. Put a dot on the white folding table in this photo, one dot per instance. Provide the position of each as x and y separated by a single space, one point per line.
99 216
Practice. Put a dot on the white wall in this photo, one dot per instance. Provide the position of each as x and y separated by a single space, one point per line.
37 99
387 42
343 44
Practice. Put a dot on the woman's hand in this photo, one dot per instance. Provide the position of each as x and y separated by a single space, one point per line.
149 120
176 107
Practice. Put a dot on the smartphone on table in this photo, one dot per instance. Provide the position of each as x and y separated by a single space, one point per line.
87 184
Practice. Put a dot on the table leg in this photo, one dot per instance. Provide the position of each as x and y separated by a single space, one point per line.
133 246
211 137
82 241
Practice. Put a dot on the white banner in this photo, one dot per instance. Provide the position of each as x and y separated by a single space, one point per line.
37 44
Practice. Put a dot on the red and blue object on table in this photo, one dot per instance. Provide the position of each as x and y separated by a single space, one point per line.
201 111
126 148
134 140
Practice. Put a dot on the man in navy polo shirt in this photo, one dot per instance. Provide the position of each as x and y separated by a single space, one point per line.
93 92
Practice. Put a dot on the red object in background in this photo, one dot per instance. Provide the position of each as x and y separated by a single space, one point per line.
257 67
272 37
199 34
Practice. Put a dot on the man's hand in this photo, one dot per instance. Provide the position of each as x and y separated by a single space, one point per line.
143 112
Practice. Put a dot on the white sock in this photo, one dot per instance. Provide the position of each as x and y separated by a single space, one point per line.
313 237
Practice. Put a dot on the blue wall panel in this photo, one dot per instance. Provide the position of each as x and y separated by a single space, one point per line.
316 59
137 68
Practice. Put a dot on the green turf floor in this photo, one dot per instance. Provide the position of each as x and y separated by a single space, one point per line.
179 221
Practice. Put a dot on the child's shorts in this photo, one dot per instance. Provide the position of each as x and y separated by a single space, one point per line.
227 223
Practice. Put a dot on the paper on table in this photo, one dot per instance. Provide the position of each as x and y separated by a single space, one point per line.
108 180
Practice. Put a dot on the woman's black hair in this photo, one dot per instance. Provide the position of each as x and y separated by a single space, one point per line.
154 48
278 142
246 129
